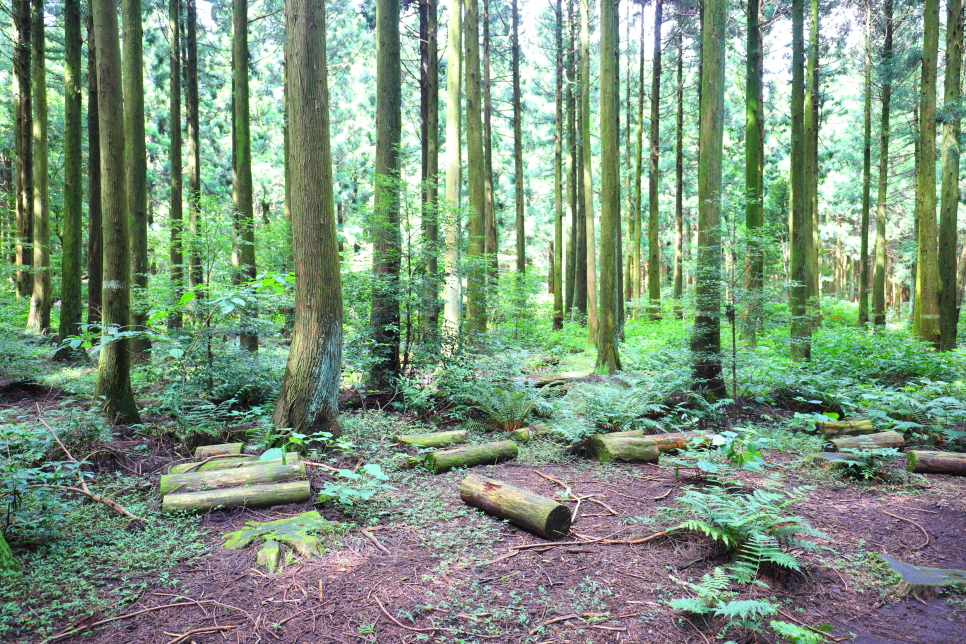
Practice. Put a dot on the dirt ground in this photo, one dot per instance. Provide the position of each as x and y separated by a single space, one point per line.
580 590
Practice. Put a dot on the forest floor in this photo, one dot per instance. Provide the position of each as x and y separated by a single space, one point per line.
433 569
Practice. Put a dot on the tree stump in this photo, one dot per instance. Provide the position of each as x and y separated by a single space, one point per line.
205 451
609 449
532 512
923 462
436 439
870 441
852 427
253 496
8 562
264 473
469 455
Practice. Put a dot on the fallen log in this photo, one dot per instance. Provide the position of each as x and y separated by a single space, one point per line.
253 496
831 460
528 433
923 462
532 512
254 475
436 439
870 441
669 442
205 451
230 462
853 427
469 455
609 449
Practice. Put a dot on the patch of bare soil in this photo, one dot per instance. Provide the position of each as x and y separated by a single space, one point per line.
25 394
580 590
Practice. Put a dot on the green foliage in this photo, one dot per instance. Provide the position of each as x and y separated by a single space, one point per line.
865 464
509 409
353 487
794 634
714 597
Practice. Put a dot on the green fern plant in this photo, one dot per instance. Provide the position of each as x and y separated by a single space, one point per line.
714 597
508 409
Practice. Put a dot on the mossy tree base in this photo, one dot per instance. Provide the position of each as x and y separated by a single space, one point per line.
7 561
302 533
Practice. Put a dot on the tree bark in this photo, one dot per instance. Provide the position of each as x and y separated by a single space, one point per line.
175 319
679 187
250 496
811 127
653 178
558 227
453 300
587 176
866 174
476 273
925 319
23 145
243 248
518 142
429 127
575 195
853 427
879 279
534 513
95 233
706 336
196 276
71 305
113 369
800 220
386 252
38 321
949 204
309 395
635 232
754 218
490 243
608 356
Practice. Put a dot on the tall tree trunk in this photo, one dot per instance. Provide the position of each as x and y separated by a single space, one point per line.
518 142
71 306
879 278
386 252
800 233
23 145
95 232
949 206
638 211
558 229
653 183
575 194
587 174
429 124
811 126
309 396
39 319
608 358
175 319
195 269
243 248
453 302
754 218
866 174
706 337
476 188
679 187
925 319
113 368
490 244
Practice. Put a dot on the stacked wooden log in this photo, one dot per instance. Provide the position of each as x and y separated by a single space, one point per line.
638 447
851 427
224 479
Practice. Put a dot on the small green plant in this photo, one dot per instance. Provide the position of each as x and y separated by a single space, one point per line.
354 487
508 409
865 464
714 597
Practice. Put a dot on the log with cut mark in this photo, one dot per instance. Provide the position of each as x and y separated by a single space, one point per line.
250 495
532 512
266 473
926 462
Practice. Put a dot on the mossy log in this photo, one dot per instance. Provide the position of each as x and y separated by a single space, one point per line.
853 427
268 555
870 441
265 473
240 460
924 462
253 496
624 449
831 460
532 512
669 442
8 563
216 450
528 433
469 455
436 439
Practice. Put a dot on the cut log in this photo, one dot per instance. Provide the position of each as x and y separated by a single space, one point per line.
870 441
669 442
469 455
254 475
532 512
436 439
923 462
853 427
528 433
268 555
253 496
240 460
623 449
214 450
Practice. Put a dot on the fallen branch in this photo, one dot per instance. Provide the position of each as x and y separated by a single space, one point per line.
323 466
603 505
895 516
705 637
664 496
373 539
563 618
408 628
194 631
119 617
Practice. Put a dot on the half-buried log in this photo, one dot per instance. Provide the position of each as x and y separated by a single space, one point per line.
870 441
853 427
624 449
469 455
230 462
923 462
252 496
436 439
255 475
215 450
528 433
532 512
